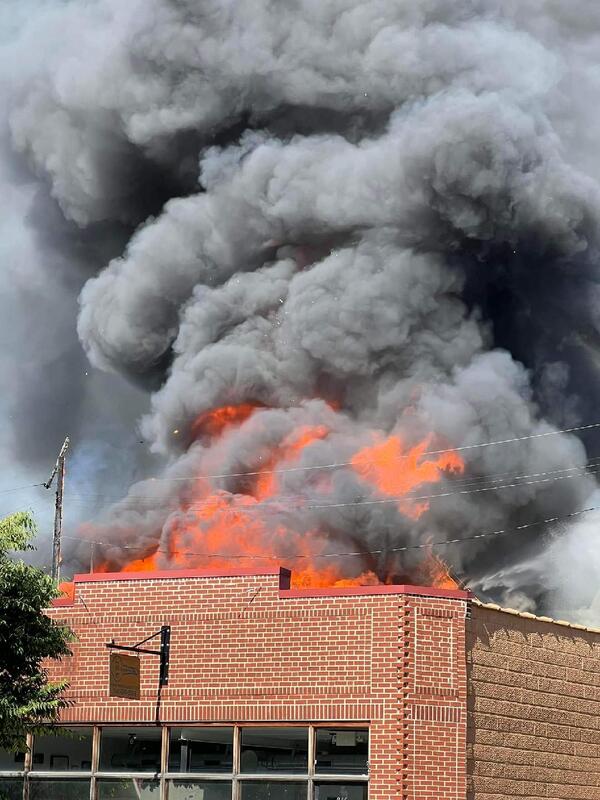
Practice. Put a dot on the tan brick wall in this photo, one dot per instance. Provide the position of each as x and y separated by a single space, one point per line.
534 709
245 650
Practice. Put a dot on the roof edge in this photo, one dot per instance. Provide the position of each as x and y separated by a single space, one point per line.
166 574
353 591
285 584
527 615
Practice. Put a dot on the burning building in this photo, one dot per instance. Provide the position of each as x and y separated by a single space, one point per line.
381 692
349 251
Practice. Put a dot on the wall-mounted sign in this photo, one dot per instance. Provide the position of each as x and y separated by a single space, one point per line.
124 676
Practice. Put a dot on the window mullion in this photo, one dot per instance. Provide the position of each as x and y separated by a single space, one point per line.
237 756
164 762
311 750
312 757
95 748
95 760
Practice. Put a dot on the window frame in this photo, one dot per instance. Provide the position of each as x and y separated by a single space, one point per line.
236 744
236 777
46 774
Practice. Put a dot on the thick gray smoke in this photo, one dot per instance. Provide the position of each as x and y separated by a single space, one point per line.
372 216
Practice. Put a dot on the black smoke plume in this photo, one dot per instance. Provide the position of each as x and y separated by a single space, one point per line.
390 206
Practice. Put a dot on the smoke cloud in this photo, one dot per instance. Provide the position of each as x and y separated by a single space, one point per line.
370 217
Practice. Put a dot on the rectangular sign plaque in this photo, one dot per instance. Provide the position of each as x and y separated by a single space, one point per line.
124 676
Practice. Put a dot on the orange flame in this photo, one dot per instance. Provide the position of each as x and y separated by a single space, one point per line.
395 470
290 449
148 564
214 422
216 529
67 590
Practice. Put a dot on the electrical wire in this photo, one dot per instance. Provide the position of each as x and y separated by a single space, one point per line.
20 488
466 482
339 464
352 553
336 465
580 471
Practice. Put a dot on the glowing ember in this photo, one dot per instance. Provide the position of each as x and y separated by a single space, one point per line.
218 529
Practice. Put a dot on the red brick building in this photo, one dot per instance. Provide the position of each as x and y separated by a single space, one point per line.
376 692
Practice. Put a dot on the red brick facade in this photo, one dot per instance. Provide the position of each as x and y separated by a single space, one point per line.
245 648
462 701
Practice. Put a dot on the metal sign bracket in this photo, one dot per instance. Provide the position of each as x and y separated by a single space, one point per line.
163 652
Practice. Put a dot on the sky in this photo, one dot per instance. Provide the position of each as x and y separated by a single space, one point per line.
49 389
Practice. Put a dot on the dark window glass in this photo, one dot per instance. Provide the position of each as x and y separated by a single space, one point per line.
274 750
342 750
59 790
130 750
68 749
201 750
341 791
128 789
11 762
11 789
199 790
273 790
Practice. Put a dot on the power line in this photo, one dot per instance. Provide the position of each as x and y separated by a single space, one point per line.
335 465
412 498
21 488
379 551
580 471
475 480
339 464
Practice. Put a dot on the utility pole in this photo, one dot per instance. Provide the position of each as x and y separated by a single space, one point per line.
59 473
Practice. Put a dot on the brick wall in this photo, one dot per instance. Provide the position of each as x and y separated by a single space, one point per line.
534 708
245 648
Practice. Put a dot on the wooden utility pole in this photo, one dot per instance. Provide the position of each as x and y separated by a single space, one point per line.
59 473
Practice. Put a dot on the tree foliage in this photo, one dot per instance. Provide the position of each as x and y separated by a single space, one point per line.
28 701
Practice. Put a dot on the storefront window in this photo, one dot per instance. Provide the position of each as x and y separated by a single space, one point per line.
274 750
273 790
273 764
11 762
201 750
342 750
200 790
130 750
59 790
128 789
68 749
340 791
11 789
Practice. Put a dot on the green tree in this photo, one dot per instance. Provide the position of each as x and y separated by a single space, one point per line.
28 701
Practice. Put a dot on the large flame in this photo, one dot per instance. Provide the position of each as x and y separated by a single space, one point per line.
396 470
215 529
